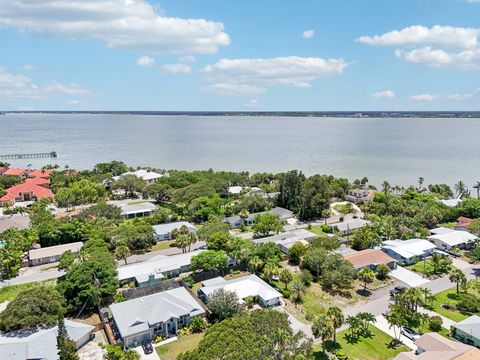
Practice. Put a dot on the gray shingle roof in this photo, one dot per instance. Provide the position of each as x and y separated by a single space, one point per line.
470 325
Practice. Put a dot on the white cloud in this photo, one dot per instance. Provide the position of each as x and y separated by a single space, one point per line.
308 34
233 89
440 58
120 24
177 68
423 97
74 103
473 1
29 67
252 104
288 70
386 94
447 36
145 61
303 85
187 59
21 87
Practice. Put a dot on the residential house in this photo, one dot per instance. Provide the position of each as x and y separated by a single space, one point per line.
468 331
157 268
148 176
369 258
287 239
433 346
51 254
451 202
463 223
133 209
13 171
448 239
162 313
406 250
41 344
236 190
245 286
360 195
19 222
33 189
164 231
347 227
237 221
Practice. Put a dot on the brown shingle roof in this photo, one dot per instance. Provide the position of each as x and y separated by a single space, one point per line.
368 257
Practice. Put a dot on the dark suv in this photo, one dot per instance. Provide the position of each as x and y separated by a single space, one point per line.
147 347
397 290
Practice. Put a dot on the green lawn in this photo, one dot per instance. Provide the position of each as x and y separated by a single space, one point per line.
8 293
447 297
171 350
427 268
162 245
374 347
316 229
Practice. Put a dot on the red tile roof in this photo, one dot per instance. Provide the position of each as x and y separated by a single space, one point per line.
14 171
367 257
27 187
464 221
40 173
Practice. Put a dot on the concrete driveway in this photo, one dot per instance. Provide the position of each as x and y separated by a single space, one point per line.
91 351
296 324
383 325
410 278
143 356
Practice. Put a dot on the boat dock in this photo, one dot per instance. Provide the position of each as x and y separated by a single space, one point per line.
51 154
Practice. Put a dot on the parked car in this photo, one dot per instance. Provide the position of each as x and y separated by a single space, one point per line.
397 290
409 333
147 347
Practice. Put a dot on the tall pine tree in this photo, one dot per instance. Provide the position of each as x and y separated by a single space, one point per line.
66 349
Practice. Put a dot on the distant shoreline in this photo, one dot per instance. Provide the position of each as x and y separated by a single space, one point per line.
349 114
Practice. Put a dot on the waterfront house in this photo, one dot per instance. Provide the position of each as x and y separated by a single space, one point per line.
164 231
448 239
42 343
369 258
287 239
51 254
13 171
162 313
157 268
134 209
148 176
360 195
347 227
433 346
237 221
406 250
33 189
468 331
245 286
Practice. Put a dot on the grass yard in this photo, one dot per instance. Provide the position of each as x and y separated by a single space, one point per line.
8 293
162 245
445 297
427 268
316 229
171 350
374 347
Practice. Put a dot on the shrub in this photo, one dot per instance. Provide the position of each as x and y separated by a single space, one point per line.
468 303
307 277
435 323
198 324
158 338
382 272
326 229
286 293
184 331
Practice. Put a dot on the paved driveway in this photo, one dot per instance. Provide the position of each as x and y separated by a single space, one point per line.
91 351
408 277
143 356
296 324
383 325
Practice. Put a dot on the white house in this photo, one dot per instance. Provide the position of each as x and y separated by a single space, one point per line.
346 227
133 209
406 250
447 239
245 286
237 221
157 268
287 239
163 313
148 176
52 254
164 231
41 344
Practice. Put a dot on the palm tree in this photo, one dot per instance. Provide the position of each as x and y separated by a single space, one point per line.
192 239
477 187
243 215
427 295
285 277
366 275
336 315
323 328
122 252
420 183
270 270
256 264
457 276
353 323
182 242
366 318
460 189
386 187
298 288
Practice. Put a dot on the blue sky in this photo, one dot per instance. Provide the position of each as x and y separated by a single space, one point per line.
240 55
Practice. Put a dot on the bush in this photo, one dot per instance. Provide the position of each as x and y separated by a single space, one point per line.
307 277
327 229
184 331
158 338
198 324
234 272
435 323
286 293
382 272
468 302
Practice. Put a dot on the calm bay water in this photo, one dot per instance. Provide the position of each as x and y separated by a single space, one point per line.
397 150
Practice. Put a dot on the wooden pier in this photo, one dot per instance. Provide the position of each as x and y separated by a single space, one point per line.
51 154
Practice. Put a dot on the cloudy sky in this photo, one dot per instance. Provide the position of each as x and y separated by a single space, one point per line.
239 55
